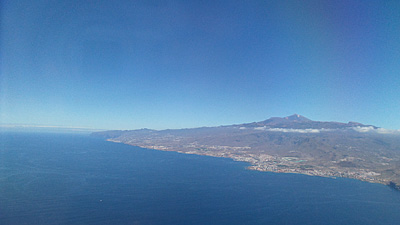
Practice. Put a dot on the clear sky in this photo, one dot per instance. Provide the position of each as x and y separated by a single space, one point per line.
175 64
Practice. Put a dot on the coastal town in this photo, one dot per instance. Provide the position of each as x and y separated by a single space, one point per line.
276 164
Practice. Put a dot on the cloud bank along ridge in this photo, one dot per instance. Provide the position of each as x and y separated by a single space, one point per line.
369 129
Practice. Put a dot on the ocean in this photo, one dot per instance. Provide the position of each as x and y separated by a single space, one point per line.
76 179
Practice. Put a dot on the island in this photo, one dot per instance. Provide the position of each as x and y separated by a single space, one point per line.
292 144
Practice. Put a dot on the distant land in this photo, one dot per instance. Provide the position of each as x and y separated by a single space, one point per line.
292 144
45 128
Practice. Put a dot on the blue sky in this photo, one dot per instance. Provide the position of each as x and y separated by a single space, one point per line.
176 64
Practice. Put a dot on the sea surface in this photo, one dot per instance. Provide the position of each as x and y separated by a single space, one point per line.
76 179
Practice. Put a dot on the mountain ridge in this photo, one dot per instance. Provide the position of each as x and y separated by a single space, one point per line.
297 121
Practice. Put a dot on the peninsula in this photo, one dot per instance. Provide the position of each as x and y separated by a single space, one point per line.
292 144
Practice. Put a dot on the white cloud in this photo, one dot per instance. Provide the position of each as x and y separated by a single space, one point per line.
260 128
387 131
364 129
369 129
376 130
290 130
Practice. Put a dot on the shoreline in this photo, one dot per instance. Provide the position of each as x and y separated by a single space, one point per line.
255 167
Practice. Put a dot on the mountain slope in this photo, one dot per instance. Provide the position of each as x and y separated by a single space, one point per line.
292 144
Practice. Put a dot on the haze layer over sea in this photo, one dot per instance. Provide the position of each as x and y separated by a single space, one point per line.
75 179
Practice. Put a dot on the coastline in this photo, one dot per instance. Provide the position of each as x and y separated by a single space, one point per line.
256 167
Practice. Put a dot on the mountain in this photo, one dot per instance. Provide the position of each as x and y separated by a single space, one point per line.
292 144
295 118
300 122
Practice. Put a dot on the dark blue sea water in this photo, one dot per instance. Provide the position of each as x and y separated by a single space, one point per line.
76 179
